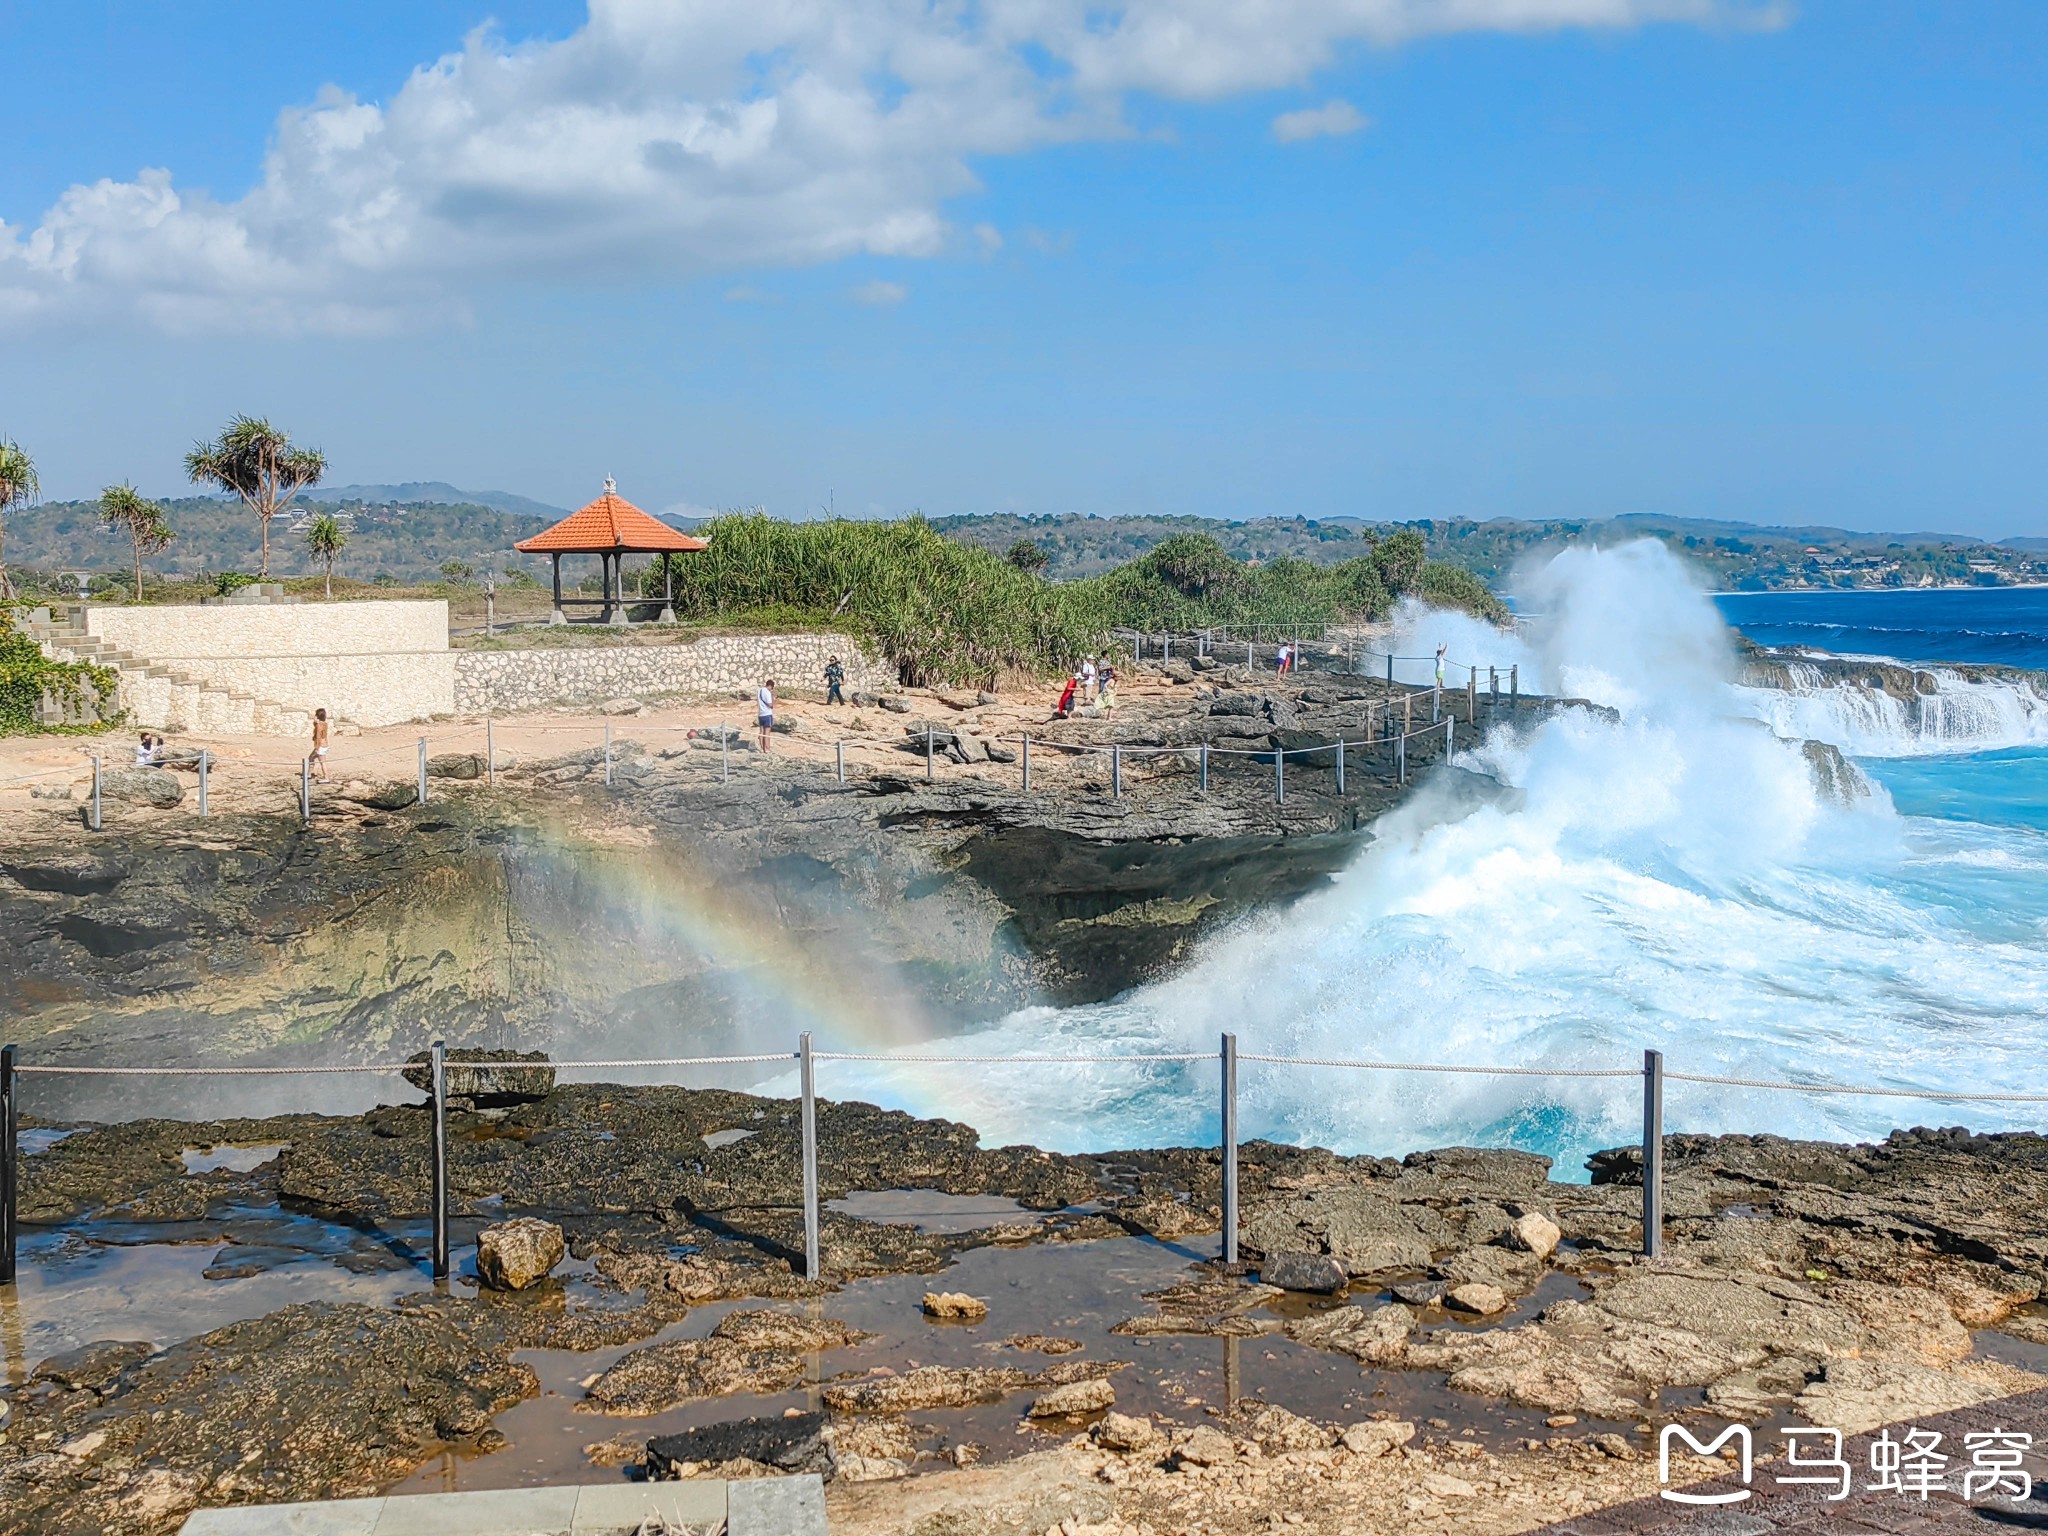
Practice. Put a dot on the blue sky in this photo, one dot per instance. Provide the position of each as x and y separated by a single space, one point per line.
1692 257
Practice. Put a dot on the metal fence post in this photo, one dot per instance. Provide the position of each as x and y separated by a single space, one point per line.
1448 724
607 753
95 791
1515 686
927 754
1390 671
808 1077
306 790
1472 696
1280 776
1229 1059
1027 762
423 771
205 760
1205 767
1653 1154
1116 772
440 1195
1493 686
1167 655
1401 756
839 759
7 1166
1340 765
724 755
490 752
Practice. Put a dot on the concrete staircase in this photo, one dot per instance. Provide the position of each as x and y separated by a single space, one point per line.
161 697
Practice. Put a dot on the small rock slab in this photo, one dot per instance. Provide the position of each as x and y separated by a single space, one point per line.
1478 1298
1533 1232
1377 1438
1304 1271
794 1444
1073 1399
516 1254
1125 1432
954 1304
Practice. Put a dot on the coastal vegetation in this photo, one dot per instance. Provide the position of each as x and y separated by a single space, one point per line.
27 677
142 521
943 610
326 539
17 489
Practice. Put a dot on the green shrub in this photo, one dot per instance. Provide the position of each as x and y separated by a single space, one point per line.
26 675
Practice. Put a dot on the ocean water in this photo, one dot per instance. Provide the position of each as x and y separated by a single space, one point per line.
1671 878
2007 625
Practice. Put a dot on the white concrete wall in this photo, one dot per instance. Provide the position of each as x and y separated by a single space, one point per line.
570 677
375 662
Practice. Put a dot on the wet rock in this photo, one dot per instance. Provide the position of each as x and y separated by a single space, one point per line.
793 1444
1362 1228
1377 1438
93 1367
1476 1297
1209 1304
516 1254
1295 1270
1613 1445
1039 1343
755 1352
1073 1399
378 794
486 1077
142 786
1123 1432
939 1386
1858 1395
1419 1293
1371 1336
1533 1232
952 1304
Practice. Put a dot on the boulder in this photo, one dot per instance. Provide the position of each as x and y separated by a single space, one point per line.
1533 1232
142 786
954 1304
895 704
985 697
379 794
1073 1399
1377 1438
785 725
486 1077
49 792
1298 1270
1419 1293
456 765
1478 1298
1234 704
620 707
1178 671
516 1254
1206 1447
793 1444
997 751
1204 663
1123 1432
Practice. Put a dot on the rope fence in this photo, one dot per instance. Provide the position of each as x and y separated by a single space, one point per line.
1651 1074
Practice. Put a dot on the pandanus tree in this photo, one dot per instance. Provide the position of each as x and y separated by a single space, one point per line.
123 510
18 488
253 460
325 539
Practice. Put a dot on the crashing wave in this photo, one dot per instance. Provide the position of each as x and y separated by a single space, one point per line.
1874 707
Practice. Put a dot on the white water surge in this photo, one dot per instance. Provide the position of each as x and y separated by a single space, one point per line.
1671 879
1963 714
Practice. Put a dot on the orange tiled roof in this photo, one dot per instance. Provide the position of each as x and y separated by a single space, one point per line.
609 523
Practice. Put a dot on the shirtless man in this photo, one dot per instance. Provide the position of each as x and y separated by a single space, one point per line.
319 743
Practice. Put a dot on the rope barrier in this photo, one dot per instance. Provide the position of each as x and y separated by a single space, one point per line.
1876 1093
670 1061
210 1071
1416 1066
1011 1060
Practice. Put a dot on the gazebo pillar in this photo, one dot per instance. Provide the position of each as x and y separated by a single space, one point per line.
558 619
668 591
616 613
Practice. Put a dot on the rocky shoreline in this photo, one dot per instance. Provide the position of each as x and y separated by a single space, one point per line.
1845 1286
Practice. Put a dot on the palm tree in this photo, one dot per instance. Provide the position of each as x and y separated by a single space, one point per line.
258 463
142 520
325 538
18 488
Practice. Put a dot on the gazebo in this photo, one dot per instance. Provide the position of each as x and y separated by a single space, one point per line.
610 528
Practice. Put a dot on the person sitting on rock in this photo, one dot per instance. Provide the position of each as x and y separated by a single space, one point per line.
142 751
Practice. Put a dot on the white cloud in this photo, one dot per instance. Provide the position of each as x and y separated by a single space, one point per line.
989 238
668 142
880 294
1332 120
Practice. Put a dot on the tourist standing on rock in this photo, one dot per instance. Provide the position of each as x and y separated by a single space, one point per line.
1065 707
1286 657
1088 679
835 674
764 710
1107 696
319 743
1436 705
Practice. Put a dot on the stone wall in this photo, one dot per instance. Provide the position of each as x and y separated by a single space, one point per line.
508 682
379 662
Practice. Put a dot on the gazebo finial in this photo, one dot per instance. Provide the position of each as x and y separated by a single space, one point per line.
611 486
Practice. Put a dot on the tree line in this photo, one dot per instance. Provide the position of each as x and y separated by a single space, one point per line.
249 459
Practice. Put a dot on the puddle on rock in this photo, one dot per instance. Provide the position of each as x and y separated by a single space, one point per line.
716 1139
43 1138
933 1211
1063 1290
234 1159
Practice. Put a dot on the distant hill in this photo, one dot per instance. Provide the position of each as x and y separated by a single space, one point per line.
418 492
1739 556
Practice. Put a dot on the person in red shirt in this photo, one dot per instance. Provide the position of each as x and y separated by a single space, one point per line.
1066 703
